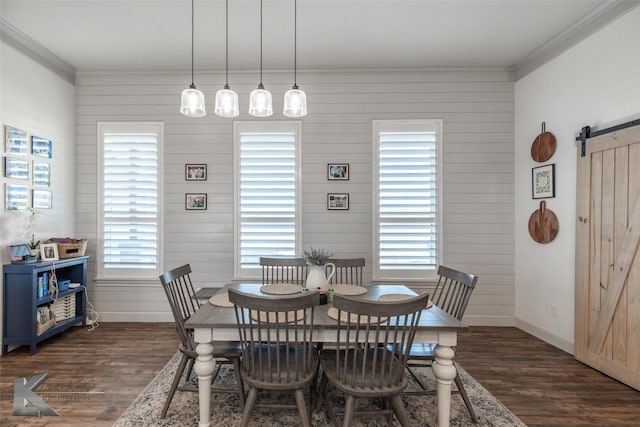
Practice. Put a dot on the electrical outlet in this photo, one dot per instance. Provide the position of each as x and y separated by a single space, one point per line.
553 310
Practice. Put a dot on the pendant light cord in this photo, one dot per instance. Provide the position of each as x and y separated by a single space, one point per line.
261 85
226 86
192 31
295 43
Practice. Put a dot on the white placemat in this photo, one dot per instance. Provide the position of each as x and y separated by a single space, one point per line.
281 289
399 297
221 300
349 289
333 313
281 316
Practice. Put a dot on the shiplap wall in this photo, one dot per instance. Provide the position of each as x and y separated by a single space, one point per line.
477 107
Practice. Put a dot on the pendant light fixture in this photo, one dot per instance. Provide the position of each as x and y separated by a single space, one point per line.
226 99
295 100
192 102
260 104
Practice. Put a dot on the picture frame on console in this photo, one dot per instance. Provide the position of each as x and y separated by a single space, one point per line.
49 252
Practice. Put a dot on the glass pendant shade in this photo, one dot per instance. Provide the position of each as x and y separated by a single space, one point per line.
226 103
260 104
192 103
295 103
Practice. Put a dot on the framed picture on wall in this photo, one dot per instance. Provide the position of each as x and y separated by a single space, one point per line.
196 201
41 146
337 201
15 197
16 141
16 168
41 199
41 174
543 182
337 171
195 172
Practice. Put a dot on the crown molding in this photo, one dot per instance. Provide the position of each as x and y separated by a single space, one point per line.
597 19
34 50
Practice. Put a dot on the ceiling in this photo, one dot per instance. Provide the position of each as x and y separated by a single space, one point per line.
155 35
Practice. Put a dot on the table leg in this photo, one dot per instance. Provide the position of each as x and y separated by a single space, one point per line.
444 371
204 367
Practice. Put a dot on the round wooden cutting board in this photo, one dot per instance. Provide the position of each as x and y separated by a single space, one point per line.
543 146
543 224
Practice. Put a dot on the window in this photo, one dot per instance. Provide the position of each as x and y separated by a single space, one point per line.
406 202
267 191
129 199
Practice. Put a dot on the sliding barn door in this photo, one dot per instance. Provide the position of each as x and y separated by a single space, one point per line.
607 321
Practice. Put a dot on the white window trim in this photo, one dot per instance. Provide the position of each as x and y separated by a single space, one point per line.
144 277
417 125
263 126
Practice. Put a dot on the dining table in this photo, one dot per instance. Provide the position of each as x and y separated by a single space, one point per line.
213 323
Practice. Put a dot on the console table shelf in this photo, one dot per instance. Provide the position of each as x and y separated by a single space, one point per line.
21 300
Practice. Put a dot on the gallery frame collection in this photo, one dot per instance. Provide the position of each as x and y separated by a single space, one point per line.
338 172
195 172
27 166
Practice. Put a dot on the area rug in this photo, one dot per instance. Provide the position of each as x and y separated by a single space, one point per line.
225 408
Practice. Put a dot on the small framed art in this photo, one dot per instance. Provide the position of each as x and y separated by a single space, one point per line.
194 172
41 199
41 146
16 197
16 141
337 171
16 168
337 201
41 174
543 182
49 251
196 201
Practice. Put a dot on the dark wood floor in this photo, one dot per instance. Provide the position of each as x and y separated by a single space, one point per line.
93 376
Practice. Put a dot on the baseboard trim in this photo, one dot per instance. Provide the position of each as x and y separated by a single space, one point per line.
545 336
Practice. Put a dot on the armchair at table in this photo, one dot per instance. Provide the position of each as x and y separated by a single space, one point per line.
452 294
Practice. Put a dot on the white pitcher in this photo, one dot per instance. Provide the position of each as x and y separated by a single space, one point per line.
316 279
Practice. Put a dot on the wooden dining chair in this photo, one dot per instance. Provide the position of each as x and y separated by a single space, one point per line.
181 295
452 294
348 271
283 270
277 348
368 360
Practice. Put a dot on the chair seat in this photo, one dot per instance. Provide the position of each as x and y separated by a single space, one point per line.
268 363
389 375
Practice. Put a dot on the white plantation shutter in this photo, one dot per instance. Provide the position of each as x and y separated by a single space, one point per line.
130 200
267 192
406 198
